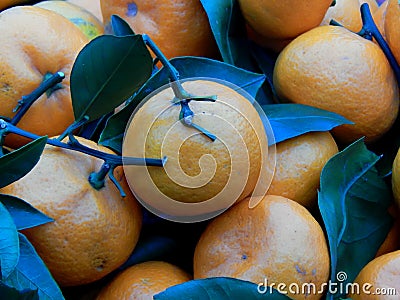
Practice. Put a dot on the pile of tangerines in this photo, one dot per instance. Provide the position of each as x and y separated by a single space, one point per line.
329 66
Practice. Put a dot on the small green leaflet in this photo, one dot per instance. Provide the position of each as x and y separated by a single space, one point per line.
266 62
353 201
120 27
291 120
219 288
18 163
23 214
107 71
229 31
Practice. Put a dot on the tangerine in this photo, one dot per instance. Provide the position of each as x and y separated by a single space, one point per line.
332 68
27 57
143 281
278 240
178 27
94 231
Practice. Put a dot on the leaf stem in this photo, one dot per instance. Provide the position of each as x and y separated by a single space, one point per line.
370 28
97 179
368 31
181 95
111 159
73 126
26 101
178 89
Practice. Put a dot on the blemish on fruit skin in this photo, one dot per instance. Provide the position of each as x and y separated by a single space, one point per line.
300 270
132 9
99 264
314 272
5 87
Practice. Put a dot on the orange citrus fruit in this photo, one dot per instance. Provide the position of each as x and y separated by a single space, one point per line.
299 162
143 281
94 231
332 68
347 13
27 56
197 169
379 275
283 19
392 25
396 178
278 240
178 27
90 5
85 20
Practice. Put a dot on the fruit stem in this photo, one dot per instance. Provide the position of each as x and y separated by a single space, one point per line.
181 95
74 145
178 89
370 29
72 127
26 101
115 181
97 179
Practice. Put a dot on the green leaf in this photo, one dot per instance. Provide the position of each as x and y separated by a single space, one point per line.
266 62
229 31
31 273
23 214
202 67
93 129
18 163
353 201
187 67
106 72
10 293
120 27
9 247
291 120
219 288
